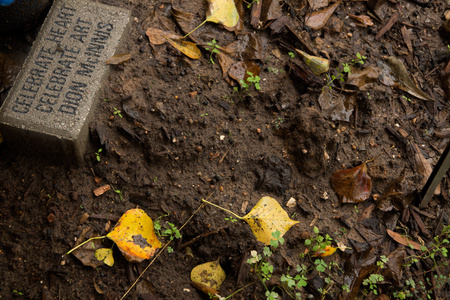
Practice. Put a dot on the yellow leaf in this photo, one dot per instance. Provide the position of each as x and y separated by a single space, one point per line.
208 276
266 217
134 236
105 255
222 12
317 64
325 252
187 48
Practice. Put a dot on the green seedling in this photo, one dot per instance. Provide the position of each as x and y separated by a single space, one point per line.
317 245
254 79
120 193
106 100
372 282
251 3
213 49
406 98
117 112
231 219
17 293
383 260
97 154
346 70
360 59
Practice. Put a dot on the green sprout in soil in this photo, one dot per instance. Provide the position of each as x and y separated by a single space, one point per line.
97 154
117 112
372 281
406 98
251 3
17 293
360 59
166 230
213 49
231 219
291 54
346 70
120 193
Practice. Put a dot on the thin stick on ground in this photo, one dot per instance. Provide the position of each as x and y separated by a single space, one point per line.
162 250
228 211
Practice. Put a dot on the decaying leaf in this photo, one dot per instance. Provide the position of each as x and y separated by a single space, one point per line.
105 255
364 79
357 267
86 253
404 81
158 37
220 12
337 106
394 266
208 277
363 19
317 64
423 166
398 194
187 48
238 71
134 235
266 217
405 241
118 59
317 20
316 4
352 185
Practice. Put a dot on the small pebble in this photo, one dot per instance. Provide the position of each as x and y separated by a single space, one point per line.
199 149
258 131
231 141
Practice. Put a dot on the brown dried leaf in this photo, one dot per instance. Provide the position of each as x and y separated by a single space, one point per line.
317 20
404 81
238 71
157 36
363 19
398 194
118 59
423 166
337 106
316 4
364 79
352 185
404 241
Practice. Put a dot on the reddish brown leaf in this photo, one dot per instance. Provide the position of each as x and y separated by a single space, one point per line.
352 185
404 241
317 20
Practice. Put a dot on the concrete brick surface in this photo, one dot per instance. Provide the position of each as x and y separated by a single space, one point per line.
52 101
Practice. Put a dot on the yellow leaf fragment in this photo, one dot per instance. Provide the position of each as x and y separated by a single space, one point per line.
187 48
207 276
222 12
266 217
134 235
317 64
105 255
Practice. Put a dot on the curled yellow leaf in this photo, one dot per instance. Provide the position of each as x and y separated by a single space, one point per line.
187 48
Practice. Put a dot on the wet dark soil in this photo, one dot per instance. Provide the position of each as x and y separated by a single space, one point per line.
184 134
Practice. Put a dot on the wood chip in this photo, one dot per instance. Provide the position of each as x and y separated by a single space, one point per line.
407 39
101 190
388 25
420 223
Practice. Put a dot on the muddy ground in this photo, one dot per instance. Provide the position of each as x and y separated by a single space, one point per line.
184 134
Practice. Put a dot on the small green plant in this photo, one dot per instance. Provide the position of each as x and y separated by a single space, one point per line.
251 79
120 193
277 239
275 70
231 219
204 115
106 100
360 59
278 122
117 112
291 54
317 246
406 98
155 179
168 230
372 282
383 260
346 288
251 3
17 293
356 209
97 154
213 49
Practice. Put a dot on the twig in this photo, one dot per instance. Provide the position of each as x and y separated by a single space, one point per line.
162 250
221 160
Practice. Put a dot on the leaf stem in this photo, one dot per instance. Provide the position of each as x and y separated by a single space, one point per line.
92 238
228 211
195 28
